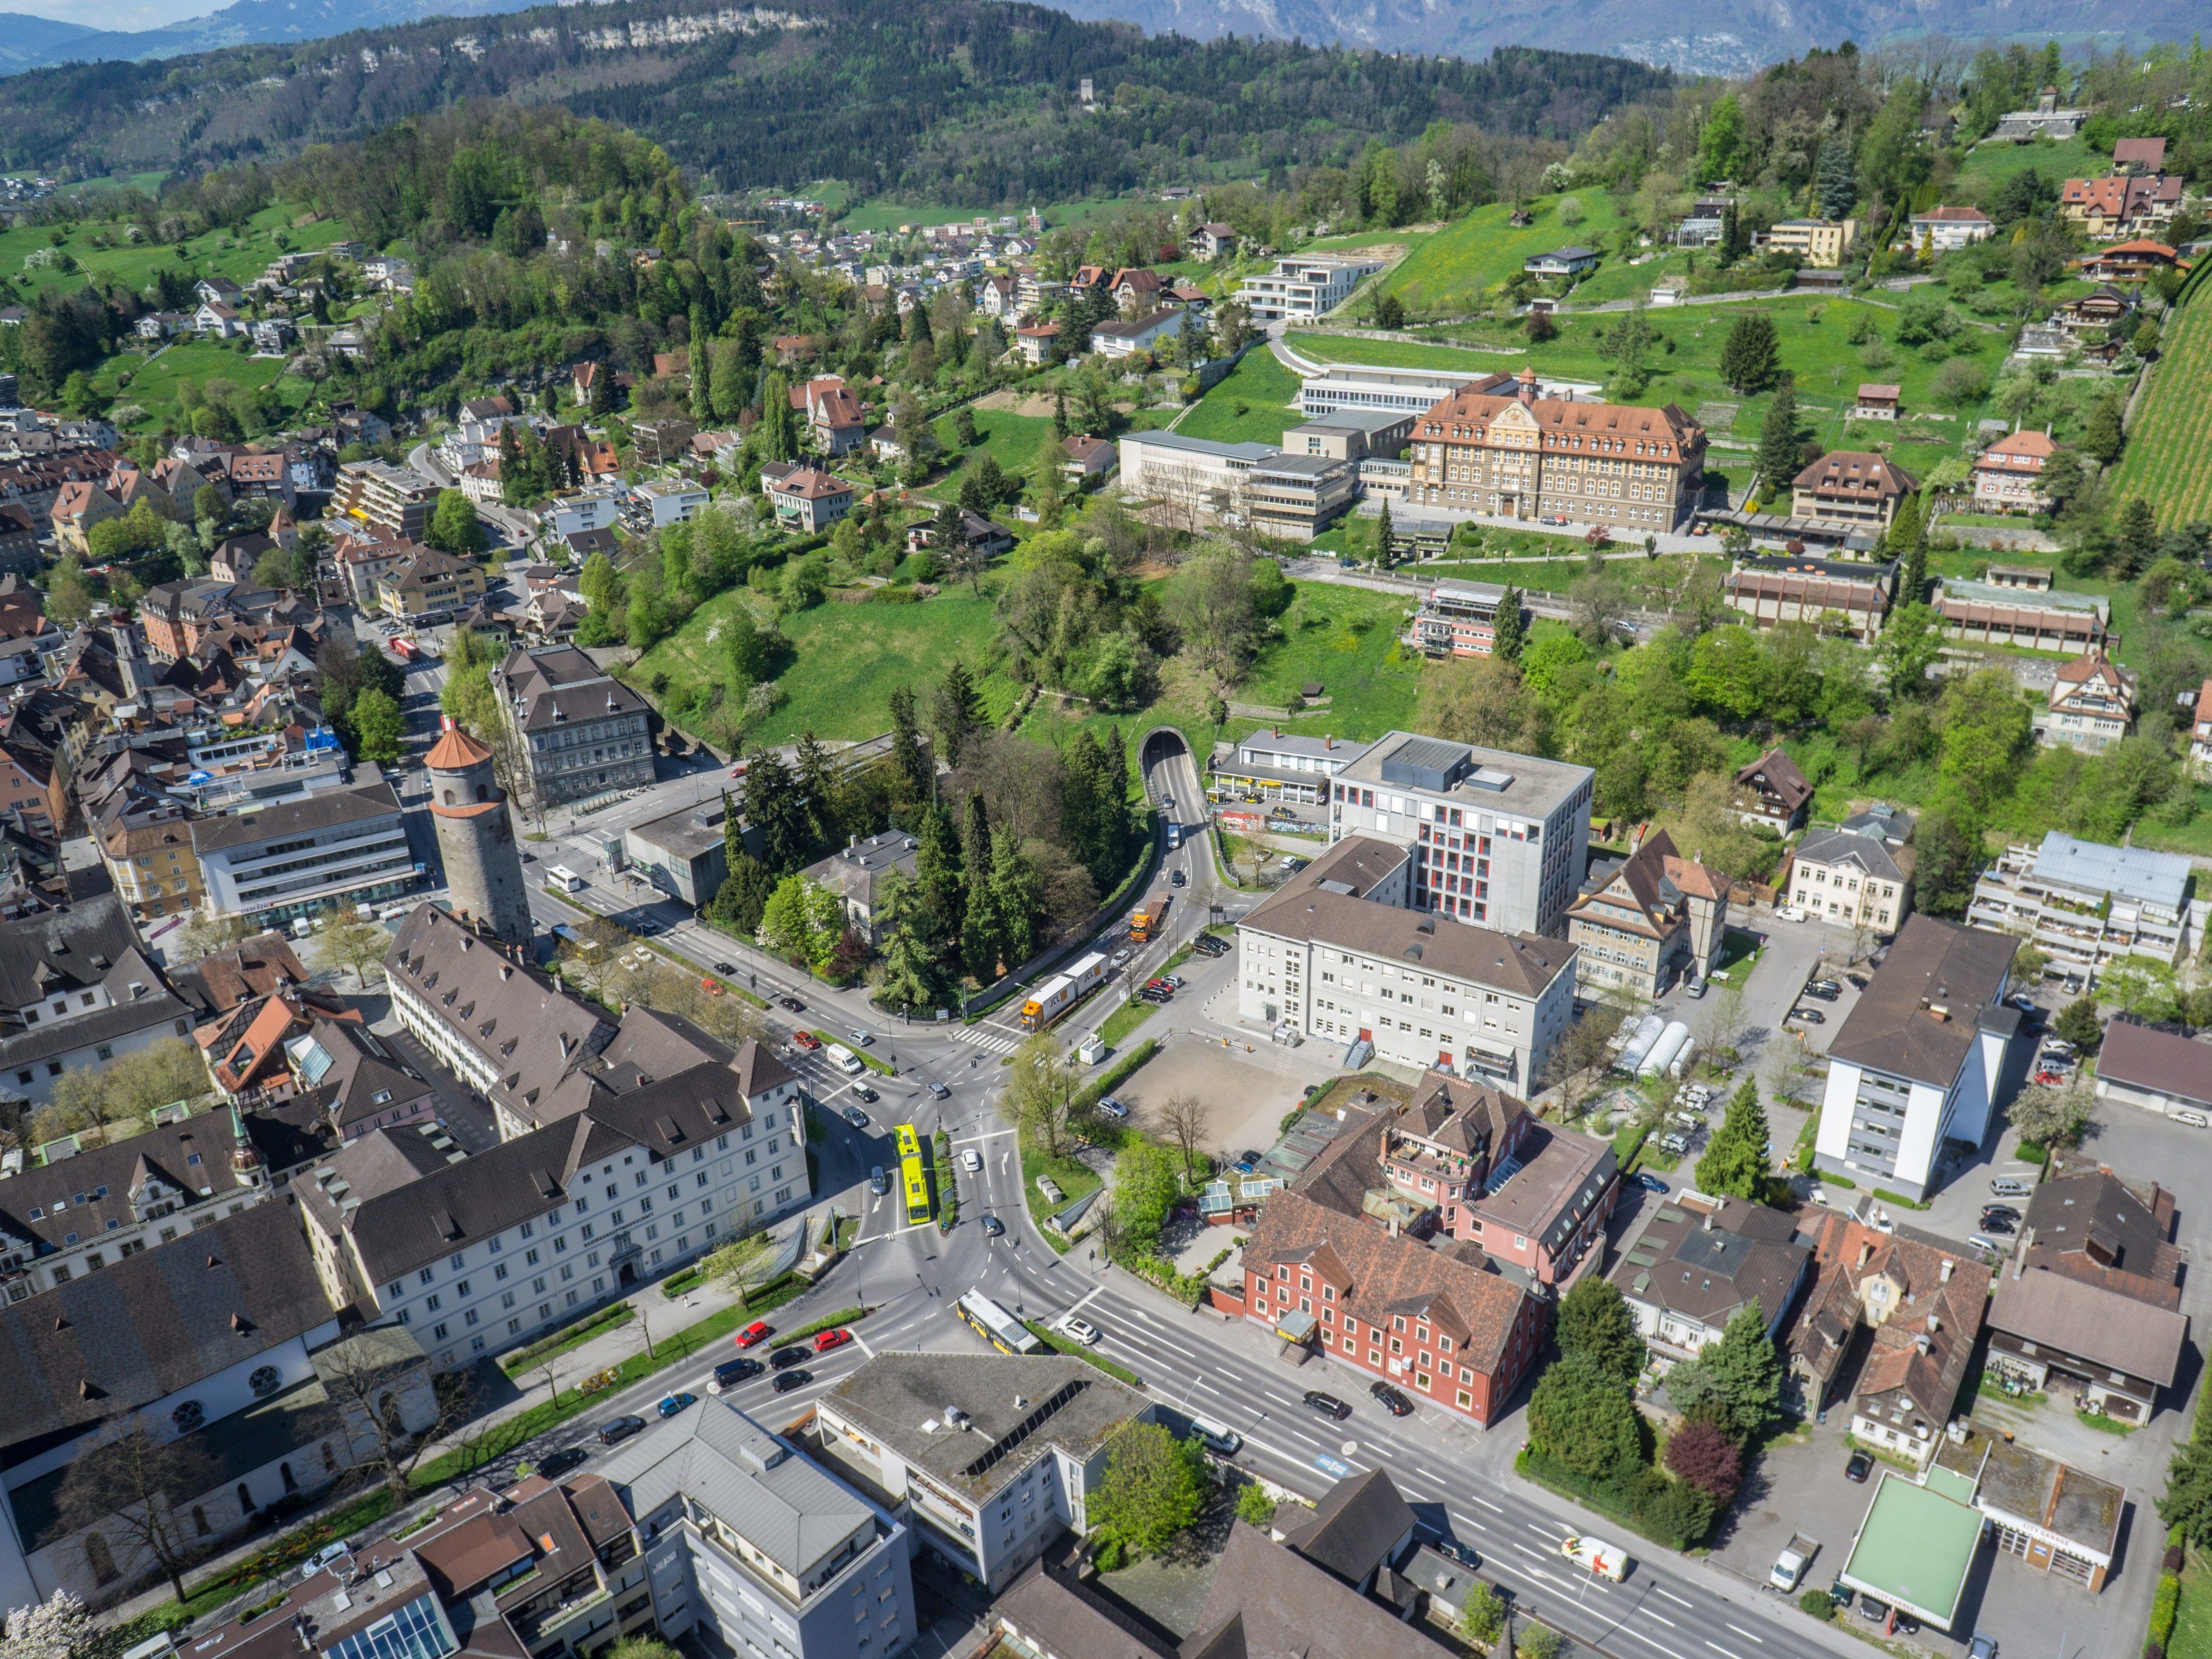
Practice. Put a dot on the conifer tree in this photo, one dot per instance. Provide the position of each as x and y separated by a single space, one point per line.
1751 359
1512 628
979 929
937 871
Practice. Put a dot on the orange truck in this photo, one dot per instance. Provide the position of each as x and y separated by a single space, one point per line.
1146 920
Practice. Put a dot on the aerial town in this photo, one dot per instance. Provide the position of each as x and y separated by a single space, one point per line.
1029 890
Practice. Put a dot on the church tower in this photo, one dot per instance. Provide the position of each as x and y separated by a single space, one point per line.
476 838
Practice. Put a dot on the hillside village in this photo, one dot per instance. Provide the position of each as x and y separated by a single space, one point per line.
1125 931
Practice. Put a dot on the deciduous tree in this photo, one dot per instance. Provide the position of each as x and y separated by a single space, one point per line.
1153 1486
134 1487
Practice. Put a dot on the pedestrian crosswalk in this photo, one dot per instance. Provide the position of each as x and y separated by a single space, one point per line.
993 1039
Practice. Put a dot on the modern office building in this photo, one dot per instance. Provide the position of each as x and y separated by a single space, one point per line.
990 1457
344 847
1366 388
684 853
1495 838
1342 952
1918 1060
754 1549
2084 904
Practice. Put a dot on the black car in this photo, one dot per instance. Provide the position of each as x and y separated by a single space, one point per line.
1998 1212
1860 1466
793 1003
731 1371
791 1380
865 1092
1328 1405
1999 1226
617 1430
727 969
1452 1550
785 1358
554 1464
1394 1402
1824 994
1809 1016
859 1119
1176 879
993 1226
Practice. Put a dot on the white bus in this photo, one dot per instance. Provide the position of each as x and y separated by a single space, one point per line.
996 1325
562 879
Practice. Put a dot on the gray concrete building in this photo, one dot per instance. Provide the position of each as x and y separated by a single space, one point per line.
344 847
683 853
752 1547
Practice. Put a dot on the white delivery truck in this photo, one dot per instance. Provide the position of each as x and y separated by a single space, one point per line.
1603 1559
1788 1570
844 1058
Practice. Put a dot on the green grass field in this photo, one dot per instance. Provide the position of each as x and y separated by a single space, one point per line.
1397 353
1454 270
850 658
154 385
1987 165
1253 405
219 254
2169 459
1013 440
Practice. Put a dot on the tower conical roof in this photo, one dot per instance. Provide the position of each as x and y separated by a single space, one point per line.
455 750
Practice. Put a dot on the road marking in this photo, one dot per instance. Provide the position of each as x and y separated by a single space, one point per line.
1493 1508
1675 1598
1717 1648
1741 1632
991 1134
1541 1532
1663 1619
861 1343
1661 1646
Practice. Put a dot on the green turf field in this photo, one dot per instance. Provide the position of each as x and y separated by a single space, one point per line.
1454 271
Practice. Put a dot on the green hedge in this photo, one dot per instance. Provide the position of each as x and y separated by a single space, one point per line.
1075 1350
948 1192
1653 1507
568 1337
2165 1607
843 1317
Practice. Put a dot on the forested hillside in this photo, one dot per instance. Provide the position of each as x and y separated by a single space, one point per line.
966 102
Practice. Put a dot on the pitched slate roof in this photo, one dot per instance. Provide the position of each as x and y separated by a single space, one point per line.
1895 1027
1775 774
2141 1057
1354 1527
2088 1322
2091 1225
75 1199
68 950
1292 1609
157 1321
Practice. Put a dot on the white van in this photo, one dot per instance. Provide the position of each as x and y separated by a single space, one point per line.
1215 1437
844 1059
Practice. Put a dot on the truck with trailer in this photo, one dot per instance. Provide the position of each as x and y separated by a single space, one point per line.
1147 921
1056 996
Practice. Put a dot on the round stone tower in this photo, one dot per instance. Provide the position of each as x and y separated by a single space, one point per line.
476 836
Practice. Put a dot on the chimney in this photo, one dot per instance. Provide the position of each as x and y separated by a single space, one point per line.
1935 1324
1710 1221
1866 1252
1944 1278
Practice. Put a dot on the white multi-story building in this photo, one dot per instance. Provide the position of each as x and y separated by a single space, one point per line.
1300 288
1272 764
2084 904
1852 880
1918 1060
993 1456
295 858
587 510
672 501
760 1550
1495 839
1343 952
2090 705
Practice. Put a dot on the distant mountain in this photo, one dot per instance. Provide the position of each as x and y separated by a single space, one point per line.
26 41
30 42
1724 37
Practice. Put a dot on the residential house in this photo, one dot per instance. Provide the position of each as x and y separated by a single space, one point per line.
1213 240
1822 244
1919 1057
1878 402
2084 904
2008 474
1851 488
78 505
1921 1300
1523 455
1034 342
2132 261
19 541
809 500
1644 923
2104 308
673 500
1560 263
365 563
1836 596
2090 705
990 1518
2139 1065
980 537
1345 951
1148 332
1700 1261
832 414
2123 205
1852 880
1946 229
1771 791
1087 457
1137 290
855 874
149 856
273 337
219 320
76 991
1457 619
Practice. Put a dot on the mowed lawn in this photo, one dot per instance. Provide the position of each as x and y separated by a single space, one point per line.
154 385
1013 440
1398 354
850 657
2169 459
1455 269
1252 405
240 258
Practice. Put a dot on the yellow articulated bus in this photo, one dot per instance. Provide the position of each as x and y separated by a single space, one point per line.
913 1173
996 1325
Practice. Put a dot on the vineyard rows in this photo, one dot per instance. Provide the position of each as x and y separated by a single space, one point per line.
2169 454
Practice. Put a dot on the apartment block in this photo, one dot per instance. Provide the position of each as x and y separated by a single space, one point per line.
341 847
1495 838
2084 904
392 502
1918 1060
1820 244
754 1548
991 1458
1302 289
1457 619
582 731
1340 952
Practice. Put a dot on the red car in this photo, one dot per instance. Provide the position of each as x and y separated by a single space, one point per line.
805 1039
825 1341
756 1332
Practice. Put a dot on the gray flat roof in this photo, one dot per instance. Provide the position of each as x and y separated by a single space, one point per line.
2132 872
1017 1406
1357 419
2045 598
687 832
1270 741
1202 445
1531 788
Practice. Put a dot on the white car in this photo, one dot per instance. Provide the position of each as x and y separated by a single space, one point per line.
324 1558
1081 1329
1789 912
972 1160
